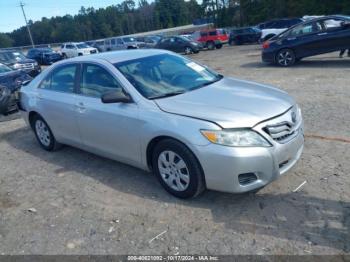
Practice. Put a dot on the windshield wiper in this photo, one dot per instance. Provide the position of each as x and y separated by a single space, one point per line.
168 95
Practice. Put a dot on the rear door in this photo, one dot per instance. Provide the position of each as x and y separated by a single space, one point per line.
108 129
337 36
56 102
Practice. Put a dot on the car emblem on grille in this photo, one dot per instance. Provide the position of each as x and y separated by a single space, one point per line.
294 117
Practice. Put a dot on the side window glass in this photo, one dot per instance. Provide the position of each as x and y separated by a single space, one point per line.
63 79
119 41
204 34
97 81
332 24
306 29
212 33
113 41
46 83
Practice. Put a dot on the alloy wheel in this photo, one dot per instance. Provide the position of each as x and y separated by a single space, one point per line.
285 58
188 50
43 132
173 170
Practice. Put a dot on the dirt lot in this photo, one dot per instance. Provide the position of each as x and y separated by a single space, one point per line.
84 204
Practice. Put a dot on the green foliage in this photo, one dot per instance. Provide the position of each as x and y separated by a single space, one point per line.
145 15
5 40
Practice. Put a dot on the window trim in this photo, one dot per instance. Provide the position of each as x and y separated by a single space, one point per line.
81 71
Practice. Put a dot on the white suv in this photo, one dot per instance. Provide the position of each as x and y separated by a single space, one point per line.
69 50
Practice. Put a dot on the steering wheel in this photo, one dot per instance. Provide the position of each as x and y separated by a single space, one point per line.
176 78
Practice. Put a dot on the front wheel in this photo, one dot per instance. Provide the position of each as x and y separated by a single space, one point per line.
188 50
285 58
177 169
219 46
44 134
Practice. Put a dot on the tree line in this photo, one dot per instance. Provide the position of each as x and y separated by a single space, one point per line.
132 17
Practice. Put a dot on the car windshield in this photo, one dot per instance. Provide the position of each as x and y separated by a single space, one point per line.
4 69
46 50
83 45
166 75
10 56
129 39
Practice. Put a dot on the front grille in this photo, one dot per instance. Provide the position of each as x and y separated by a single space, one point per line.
281 132
246 179
27 66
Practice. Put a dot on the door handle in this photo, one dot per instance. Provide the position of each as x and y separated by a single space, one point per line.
40 97
322 34
80 105
291 38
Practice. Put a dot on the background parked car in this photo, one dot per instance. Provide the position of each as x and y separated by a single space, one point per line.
16 60
69 50
179 44
44 56
10 83
149 41
275 27
318 36
122 43
244 35
214 38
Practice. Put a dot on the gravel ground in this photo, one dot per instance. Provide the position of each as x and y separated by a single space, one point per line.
73 202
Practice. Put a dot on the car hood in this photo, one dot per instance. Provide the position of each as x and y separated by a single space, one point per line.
230 103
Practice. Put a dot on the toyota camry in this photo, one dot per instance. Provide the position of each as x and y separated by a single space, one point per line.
192 127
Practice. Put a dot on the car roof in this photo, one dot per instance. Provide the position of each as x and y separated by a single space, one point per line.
120 56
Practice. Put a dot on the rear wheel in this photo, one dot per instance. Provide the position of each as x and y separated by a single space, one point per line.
64 56
219 46
285 58
44 134
177 169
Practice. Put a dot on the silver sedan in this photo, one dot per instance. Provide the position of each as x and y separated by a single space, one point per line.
159 111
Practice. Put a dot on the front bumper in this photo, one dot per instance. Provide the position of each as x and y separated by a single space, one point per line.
223 165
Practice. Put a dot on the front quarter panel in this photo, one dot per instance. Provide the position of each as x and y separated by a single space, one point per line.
184 129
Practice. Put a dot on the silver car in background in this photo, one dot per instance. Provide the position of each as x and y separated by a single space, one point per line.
159 111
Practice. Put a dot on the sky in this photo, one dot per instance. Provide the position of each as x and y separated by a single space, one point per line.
11 16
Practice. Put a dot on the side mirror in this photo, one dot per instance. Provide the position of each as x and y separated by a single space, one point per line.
116 97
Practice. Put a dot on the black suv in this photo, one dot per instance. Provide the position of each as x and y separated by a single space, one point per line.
244 35
10 83
44 56
16 60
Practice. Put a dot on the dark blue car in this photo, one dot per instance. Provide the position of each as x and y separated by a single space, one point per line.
44 56
244 35
10 83
313 37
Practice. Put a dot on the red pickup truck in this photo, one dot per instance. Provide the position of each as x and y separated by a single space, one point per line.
213 38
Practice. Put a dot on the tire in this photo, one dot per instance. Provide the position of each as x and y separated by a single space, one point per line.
219 46
44 134
188 50
80 54
64 56
211 45
285 58
177 169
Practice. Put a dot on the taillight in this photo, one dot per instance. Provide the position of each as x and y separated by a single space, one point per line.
266 45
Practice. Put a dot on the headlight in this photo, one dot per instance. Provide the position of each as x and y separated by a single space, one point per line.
236 138
17 66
